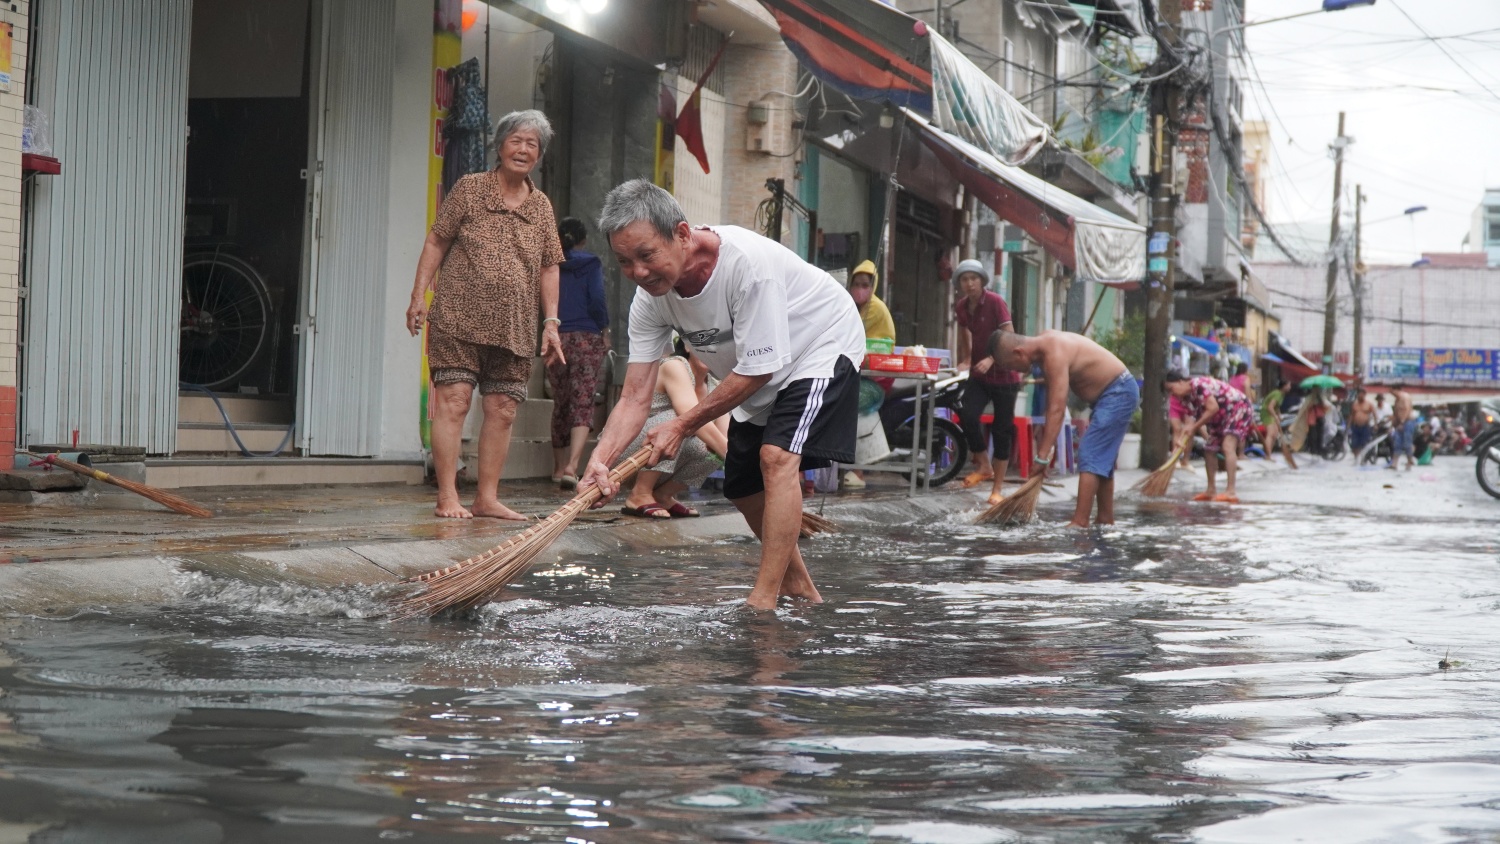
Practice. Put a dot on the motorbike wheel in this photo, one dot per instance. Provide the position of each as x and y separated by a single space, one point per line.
947 450
1487 468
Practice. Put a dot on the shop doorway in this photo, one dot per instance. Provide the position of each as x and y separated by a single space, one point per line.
246 196
919 299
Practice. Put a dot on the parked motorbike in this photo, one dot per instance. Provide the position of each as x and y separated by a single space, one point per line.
1486 451
947 449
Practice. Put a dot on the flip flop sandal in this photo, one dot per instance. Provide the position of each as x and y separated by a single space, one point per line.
1226 498
682 511
1204 496
974 479
650 511
568 482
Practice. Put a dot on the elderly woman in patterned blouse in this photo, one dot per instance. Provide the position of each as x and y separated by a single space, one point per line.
495 240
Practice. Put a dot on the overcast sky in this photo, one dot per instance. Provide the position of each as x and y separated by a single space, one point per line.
1426 130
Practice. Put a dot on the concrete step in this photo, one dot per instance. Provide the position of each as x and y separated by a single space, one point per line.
197 408
176 473
214 438
528 458
534 419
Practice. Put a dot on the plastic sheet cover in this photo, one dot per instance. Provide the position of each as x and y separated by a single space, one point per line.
971 105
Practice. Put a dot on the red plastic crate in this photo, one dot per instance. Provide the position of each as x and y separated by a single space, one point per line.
885 363
902 363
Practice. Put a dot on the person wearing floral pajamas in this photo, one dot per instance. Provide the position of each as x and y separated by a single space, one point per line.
1224 415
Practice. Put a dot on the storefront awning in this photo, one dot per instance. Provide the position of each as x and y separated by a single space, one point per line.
1288 355
862 47
872 51
1206 345
1095 244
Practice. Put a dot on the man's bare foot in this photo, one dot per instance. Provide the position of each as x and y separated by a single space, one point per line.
496 510
996 498
450 508
1075 524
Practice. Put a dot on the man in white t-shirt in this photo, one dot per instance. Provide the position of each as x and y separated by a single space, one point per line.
782 336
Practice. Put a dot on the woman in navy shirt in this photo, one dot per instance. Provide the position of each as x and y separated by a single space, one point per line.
585 342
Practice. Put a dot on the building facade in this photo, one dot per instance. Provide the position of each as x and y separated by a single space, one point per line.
1484 229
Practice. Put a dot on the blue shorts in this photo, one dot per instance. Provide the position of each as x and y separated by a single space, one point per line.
1360 436
1401 438
1107 426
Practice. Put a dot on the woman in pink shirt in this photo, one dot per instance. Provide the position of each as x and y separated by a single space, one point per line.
1241 379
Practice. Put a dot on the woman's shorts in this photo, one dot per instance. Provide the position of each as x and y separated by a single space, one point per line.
492 369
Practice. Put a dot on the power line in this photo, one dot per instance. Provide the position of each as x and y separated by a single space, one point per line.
1234 167
1441 46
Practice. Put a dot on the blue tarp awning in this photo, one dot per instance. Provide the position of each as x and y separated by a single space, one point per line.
1206 345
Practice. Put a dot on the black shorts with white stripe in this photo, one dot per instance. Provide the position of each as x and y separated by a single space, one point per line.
813 417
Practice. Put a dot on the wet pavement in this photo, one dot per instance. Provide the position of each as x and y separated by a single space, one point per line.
1316 664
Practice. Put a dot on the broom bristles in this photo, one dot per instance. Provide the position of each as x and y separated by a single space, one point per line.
813 524
472 582
1019 506
160 496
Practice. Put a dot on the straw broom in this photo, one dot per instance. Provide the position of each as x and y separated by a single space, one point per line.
1155 484
160 496
472 582
1016 508
1300 426
813 524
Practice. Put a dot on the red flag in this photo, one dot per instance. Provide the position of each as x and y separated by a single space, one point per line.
690 119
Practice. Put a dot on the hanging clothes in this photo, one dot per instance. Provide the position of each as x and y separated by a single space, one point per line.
464 130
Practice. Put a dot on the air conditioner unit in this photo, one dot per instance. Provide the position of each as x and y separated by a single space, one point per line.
769 128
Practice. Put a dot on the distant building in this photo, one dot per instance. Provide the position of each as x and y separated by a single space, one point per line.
1455 260
1256 161
1432 305
1484 230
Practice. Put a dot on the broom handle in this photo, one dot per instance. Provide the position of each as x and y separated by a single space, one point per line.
624 469
82 470
1174 457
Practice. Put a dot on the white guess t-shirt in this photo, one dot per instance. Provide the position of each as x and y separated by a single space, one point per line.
764 310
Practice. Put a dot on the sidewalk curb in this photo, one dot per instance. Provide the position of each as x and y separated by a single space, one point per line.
66 586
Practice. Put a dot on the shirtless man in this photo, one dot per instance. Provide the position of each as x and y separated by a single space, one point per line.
1074 362
1361 421
1403 428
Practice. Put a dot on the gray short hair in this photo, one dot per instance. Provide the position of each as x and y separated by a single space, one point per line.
639 199
528 119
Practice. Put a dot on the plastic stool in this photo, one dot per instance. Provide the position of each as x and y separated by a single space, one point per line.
1023 451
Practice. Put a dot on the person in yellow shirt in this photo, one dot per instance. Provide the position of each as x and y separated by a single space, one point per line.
878 326
876 316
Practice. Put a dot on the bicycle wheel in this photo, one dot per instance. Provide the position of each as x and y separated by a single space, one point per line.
226 319
1487 468
946 452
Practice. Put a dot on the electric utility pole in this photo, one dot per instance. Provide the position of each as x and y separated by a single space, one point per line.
1359 285
1161 251
1330 306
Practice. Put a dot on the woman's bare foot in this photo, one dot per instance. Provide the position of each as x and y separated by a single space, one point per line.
493 509
796 586
996 498
450 508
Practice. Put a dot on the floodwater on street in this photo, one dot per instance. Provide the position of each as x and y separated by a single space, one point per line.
1271 672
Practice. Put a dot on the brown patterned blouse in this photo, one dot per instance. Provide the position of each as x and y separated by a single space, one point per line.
489 287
